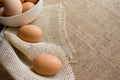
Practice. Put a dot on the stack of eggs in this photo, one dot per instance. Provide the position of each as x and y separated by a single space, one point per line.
14 7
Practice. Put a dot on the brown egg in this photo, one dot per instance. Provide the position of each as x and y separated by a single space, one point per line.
30 33
12 7
22 1
33 1
27 6
1 11
46 64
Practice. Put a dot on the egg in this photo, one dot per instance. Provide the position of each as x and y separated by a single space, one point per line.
22 1
33 1
12 7
46 64
30 33
1 11
27 6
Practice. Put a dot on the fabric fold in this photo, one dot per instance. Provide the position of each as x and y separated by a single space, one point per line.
52 42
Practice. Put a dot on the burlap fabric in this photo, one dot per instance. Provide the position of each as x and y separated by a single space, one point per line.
54 41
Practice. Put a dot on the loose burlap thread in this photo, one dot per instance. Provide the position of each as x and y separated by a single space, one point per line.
55 41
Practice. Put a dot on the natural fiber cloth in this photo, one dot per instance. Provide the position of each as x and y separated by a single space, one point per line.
54 41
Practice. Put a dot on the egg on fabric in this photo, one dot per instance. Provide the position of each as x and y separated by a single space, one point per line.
30 33
33 1
27 6
1 11
46 64
12 7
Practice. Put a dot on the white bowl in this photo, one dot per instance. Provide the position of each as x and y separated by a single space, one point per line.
23 18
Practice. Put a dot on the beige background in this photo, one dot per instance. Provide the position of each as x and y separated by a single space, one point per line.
94 29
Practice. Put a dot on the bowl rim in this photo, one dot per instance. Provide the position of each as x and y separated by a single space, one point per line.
8 17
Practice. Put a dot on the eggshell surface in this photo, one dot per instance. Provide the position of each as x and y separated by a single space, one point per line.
1 11
22 1
27 6
30 33
12 7
46 64
33 1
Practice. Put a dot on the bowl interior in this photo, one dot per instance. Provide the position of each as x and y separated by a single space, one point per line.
23 18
